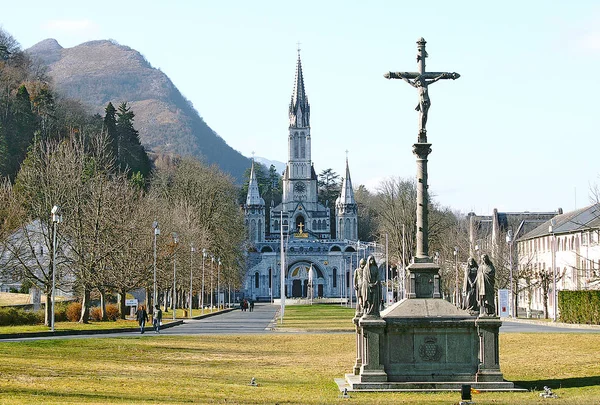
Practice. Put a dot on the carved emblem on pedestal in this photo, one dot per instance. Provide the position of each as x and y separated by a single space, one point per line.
430 350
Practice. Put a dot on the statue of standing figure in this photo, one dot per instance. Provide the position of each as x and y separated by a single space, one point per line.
486 276
470 286
358 279
371 288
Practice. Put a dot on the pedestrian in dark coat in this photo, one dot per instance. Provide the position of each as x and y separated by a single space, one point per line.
157 319
142 317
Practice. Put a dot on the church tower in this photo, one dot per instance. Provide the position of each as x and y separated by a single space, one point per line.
346 212
254 210
300 180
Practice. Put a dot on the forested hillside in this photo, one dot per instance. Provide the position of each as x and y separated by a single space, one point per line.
99 72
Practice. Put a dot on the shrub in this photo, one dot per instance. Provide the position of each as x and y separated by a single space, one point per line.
579 306
96 314
60 311
14 316
112 312
74 311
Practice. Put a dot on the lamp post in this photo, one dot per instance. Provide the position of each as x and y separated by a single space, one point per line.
192 250
174 298
154 287
456 293
509 240
212 261
219 283
203 257
554 292
56 219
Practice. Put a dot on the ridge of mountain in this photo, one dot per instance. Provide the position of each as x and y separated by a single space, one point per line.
103 71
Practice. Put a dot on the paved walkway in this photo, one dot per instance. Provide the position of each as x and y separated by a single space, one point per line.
230 323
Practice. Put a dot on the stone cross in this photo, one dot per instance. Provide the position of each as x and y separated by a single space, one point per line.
421 81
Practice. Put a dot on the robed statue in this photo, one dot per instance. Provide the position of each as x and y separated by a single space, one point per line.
358 279
486 278
371 289
470 286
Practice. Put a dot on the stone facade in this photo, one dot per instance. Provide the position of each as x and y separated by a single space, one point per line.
310 239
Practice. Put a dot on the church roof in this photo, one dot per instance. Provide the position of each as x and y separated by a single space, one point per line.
253 197
347 193
299 107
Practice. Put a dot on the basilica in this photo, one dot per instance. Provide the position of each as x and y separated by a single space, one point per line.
299 242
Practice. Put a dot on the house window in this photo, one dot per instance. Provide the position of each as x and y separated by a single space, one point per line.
256 280
334 278
584 239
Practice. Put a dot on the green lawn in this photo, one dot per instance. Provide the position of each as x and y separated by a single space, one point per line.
289 368
315 318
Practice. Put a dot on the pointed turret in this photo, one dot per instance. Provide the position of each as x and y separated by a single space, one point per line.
346 212
299 107
253 197
254 210
347 193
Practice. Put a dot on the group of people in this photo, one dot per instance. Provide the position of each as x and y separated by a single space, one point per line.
367 287
142 317
247 305
478 289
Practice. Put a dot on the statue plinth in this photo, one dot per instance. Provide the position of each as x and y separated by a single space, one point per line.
424 279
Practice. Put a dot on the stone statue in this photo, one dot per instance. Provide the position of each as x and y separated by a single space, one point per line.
371 289
486 278
358 277
470 286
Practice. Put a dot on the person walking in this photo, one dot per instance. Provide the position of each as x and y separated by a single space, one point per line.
142 317
157 319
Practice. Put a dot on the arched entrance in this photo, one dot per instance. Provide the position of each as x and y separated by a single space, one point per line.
298 278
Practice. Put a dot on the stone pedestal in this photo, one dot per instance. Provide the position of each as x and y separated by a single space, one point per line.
424 279
489 353
371 369
427 345
359 345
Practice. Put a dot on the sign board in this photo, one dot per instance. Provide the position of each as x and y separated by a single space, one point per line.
503 303
131 303
390 298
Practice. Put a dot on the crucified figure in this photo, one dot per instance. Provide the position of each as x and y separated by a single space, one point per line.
421 84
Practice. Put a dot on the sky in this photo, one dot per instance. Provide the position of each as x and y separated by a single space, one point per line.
510 133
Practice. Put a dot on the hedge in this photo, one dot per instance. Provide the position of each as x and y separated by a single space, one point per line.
579 307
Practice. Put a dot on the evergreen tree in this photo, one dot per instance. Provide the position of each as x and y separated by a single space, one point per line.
20 131
110 126
131 153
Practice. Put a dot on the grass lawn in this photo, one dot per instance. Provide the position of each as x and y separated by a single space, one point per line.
317 318
289 368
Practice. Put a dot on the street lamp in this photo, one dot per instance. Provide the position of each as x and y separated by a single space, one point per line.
192 250
174 298
56 219
154 289
509 240
212 261
219 283
554 292
456 294
203 257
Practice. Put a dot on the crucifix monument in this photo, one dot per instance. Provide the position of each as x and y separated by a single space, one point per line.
423 342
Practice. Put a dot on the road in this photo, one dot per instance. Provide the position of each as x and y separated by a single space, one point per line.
263 318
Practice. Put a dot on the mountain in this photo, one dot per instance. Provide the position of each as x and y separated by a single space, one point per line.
279 166
97 72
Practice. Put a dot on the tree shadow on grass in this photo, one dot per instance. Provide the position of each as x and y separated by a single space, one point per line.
576 382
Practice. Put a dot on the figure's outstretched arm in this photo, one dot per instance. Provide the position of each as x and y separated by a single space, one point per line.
452 76
396 75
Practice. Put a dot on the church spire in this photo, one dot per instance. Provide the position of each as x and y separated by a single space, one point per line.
299 107
347 193
253 197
